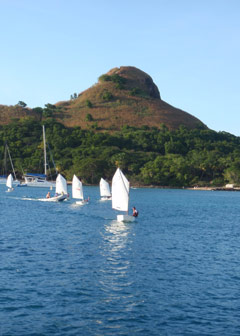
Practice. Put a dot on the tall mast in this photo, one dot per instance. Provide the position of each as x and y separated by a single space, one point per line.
11 162
5 160
45 153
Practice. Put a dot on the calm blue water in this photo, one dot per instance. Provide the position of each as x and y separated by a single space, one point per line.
72 270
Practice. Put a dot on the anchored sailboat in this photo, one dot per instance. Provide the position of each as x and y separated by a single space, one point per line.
40 180
120 196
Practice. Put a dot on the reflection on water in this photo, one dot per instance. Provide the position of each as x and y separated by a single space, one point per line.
69 270
115 238
114 279
115 248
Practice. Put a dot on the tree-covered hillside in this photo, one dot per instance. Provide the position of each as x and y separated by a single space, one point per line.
148 156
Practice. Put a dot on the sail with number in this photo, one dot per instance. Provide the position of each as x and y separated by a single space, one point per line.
77 189
120 191
61 185
104 188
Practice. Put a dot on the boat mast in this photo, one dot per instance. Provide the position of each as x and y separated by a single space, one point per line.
45 153
5 160
11 161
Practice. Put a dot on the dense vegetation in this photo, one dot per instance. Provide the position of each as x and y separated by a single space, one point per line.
148 156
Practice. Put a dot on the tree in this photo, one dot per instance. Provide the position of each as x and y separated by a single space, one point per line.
89 117
38 111
74 96
104 78
232 174
107 96
50 106
90 169
89 103
22 104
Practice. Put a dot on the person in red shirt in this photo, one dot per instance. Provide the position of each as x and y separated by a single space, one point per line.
135 212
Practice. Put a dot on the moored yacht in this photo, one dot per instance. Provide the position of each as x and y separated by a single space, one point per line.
39 180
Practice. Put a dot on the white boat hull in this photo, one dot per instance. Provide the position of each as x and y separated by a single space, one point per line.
81 202
125 218
41 184
106 199
59 198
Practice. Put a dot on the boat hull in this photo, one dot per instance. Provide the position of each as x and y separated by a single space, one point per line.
59 198
106 198
38 184
81 202
125 218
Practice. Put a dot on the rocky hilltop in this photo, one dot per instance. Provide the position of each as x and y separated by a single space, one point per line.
123 96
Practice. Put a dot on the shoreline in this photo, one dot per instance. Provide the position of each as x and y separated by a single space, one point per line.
169 187
215 188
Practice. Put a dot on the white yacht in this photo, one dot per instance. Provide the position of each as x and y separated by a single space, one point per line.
39 180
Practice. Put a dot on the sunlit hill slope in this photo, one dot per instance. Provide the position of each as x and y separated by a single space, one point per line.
123 96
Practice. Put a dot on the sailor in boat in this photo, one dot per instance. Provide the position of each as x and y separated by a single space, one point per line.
48 195
135 212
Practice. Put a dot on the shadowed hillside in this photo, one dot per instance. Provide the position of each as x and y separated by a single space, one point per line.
123 96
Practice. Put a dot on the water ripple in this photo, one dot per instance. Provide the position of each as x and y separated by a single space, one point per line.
68 270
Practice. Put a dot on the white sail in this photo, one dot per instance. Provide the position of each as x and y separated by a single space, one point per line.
77 189
3 179
104 188
9 183
61 185
120 191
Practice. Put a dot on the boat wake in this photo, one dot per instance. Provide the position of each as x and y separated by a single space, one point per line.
24 198
28 199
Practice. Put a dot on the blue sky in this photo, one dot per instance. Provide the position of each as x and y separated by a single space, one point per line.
191 49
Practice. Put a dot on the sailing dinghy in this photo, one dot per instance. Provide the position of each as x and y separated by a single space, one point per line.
105 192
61 191
9 183
77 190
120 196
3 178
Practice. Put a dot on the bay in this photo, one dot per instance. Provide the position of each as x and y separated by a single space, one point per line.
74 270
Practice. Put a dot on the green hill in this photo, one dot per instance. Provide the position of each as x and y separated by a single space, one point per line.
148 156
